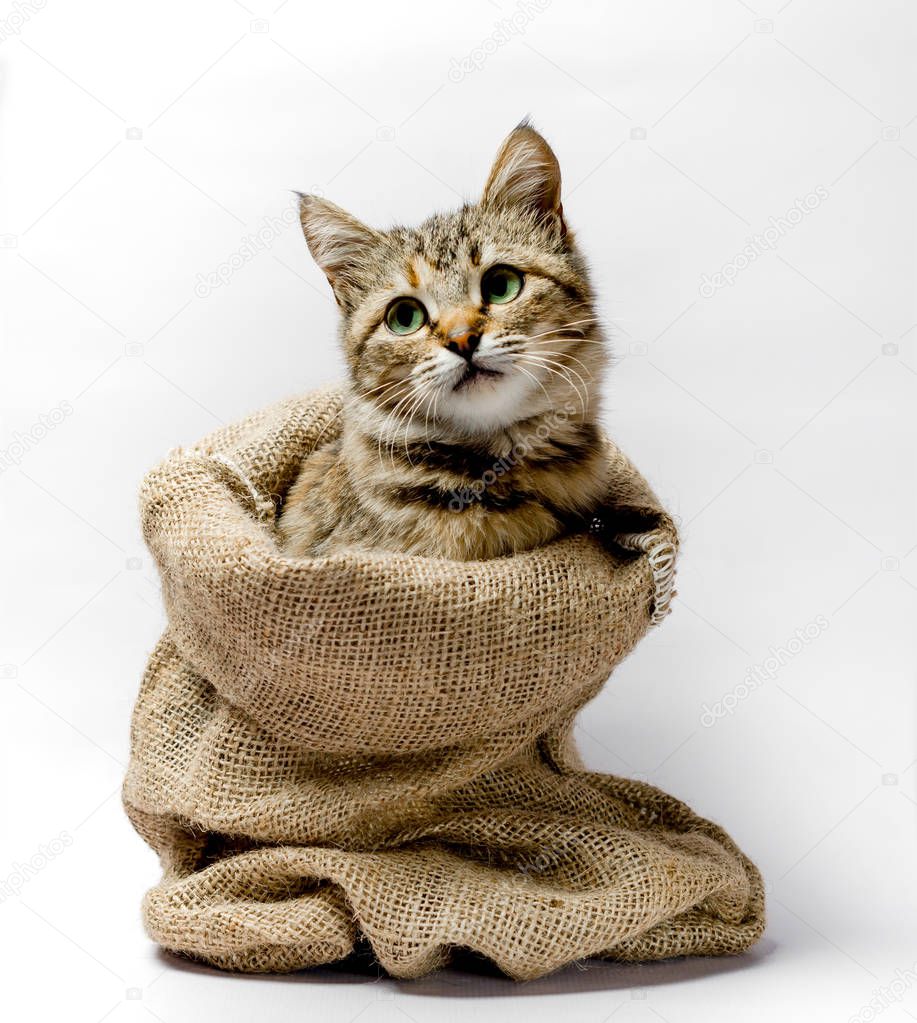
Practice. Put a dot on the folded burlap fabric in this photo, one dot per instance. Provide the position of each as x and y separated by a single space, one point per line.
380 746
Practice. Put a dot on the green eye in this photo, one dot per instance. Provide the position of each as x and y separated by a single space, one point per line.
501 284
405 315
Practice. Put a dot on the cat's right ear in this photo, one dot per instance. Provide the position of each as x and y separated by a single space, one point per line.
526 177
338 242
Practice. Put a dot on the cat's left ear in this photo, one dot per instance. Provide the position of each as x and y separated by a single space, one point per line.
526 176
338 243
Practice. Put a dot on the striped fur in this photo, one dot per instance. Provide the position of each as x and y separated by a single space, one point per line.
436 457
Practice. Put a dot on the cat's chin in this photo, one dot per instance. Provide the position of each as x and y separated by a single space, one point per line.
486 401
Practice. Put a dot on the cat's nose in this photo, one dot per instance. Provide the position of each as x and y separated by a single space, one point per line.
463 342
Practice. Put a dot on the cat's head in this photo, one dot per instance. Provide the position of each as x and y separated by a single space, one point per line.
476 319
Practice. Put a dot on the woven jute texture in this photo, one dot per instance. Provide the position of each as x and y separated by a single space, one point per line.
376 746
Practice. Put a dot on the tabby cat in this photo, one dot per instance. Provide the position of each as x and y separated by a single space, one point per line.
469 428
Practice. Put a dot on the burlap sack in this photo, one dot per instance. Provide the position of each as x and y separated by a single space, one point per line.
380 745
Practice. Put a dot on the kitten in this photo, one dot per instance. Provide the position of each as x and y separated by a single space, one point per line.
470 426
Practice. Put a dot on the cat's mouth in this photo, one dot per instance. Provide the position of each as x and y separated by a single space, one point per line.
475 373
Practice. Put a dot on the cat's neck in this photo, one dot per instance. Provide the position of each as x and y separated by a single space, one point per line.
527 438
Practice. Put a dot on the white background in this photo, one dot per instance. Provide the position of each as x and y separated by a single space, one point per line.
775 417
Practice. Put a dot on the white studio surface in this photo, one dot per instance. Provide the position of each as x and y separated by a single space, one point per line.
147 145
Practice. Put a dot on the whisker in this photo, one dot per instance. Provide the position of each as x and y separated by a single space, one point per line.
566 326
408 416
559 356
578 340
381 435
513 341
436 398
561 371
340 411
437 391
548 361
532 376
394 437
